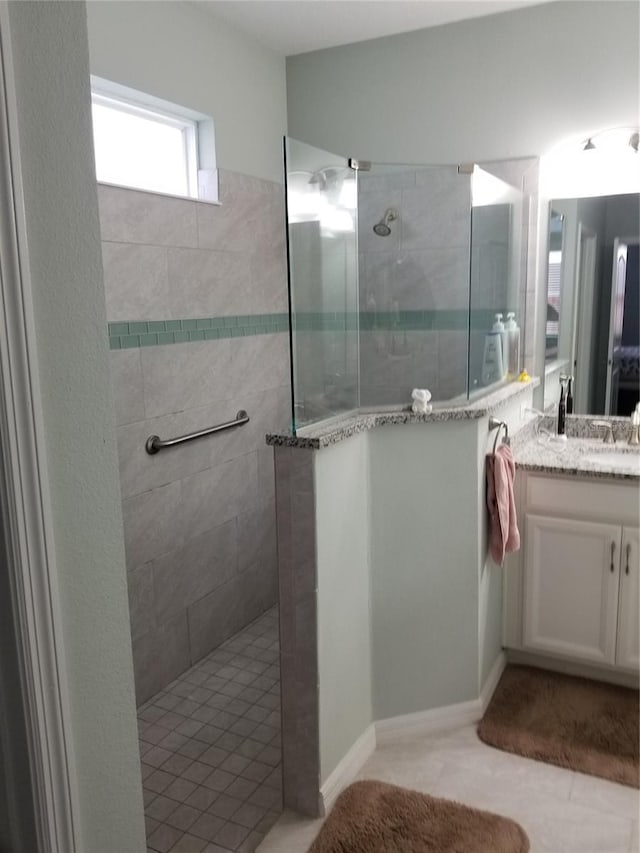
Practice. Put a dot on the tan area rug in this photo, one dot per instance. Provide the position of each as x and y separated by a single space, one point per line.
373 817
572 722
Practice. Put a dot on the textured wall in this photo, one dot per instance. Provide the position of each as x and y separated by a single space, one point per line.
297 575
200 518
414 284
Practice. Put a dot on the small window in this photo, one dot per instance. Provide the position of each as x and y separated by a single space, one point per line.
148 147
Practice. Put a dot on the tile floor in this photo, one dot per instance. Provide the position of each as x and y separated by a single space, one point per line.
211 751
561 811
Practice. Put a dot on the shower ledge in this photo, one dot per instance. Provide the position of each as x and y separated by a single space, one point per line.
326 433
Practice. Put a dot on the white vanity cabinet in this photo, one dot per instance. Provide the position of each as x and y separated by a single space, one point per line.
572 591
628 645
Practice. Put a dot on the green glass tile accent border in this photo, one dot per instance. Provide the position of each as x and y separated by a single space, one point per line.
123 335
150 333
418 321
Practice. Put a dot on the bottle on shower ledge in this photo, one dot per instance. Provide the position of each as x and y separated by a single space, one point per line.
513 346
498 326
492 368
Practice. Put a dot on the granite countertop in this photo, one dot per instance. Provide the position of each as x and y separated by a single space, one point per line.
577 456
317 436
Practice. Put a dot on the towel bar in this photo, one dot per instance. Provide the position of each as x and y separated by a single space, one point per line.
494 423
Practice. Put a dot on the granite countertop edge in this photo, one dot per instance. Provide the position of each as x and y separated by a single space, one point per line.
546 456
579 471
318 437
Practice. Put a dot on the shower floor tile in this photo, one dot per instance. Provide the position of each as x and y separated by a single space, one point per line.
211 751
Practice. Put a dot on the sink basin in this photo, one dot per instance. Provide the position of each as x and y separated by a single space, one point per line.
615 460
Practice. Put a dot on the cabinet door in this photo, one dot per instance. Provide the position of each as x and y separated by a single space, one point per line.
571 575
628 648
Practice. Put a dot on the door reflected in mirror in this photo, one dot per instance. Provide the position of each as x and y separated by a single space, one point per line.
593 308
552 330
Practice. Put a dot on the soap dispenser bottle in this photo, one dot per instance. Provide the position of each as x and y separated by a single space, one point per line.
498 326
512 334
492 370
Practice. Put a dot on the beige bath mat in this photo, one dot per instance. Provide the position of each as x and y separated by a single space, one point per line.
572 722
373 817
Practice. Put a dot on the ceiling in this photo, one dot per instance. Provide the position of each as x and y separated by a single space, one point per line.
299 26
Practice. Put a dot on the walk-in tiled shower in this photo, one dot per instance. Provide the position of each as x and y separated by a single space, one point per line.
210 748
196 301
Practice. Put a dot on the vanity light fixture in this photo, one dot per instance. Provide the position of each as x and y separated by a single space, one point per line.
613 139
600 162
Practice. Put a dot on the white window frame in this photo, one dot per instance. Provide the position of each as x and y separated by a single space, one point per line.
197 131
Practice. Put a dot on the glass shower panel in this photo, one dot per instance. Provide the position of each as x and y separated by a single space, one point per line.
498 261
323 282
414 245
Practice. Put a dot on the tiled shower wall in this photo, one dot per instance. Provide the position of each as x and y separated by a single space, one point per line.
524 174
196 299
414 284
325 303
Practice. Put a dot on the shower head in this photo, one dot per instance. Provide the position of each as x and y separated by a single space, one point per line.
382 228
328 176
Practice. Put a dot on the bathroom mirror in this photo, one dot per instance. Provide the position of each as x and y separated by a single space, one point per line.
593 312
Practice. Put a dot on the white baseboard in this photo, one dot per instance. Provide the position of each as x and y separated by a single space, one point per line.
488 688
348 767
428 722
420 723
443 718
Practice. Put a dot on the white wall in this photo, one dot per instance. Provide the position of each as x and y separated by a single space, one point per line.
344 626
181 53
424 566
409 603
492 575
51 63
507 85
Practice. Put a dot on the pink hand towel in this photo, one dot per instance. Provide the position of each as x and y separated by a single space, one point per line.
504 534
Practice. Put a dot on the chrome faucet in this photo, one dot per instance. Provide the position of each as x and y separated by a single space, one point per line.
608 436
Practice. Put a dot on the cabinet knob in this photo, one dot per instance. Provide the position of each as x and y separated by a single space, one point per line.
613 551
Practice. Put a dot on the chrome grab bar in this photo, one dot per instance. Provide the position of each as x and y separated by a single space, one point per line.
153 444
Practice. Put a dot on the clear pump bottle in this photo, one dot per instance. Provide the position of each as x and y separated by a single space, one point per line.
512 334
498 326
